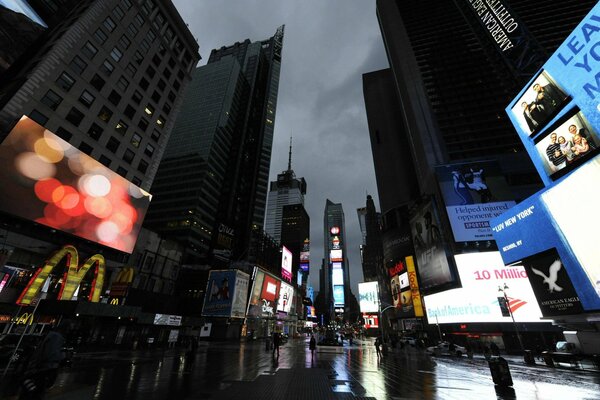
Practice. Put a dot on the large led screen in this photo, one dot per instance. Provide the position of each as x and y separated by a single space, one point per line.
337 276
286 264
265 293
47 180
482 274
338 295
286 294
473 194
336 255
368 295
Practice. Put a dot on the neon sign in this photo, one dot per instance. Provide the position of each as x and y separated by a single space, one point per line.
71 279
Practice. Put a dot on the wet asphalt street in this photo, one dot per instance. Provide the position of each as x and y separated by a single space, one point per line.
247 371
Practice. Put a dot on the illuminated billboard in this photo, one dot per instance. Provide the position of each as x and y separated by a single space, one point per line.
336 256
371 321
226 294
473 194
337 276
47 180
368 295
286 264
305 256
265 294
482 274
304 267
338 295
435 269
286 294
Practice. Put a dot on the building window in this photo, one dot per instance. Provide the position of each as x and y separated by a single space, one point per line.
136 97
169 34
124 42
87 99
167 73
114 97
116 54
171 96
38 117
95 131
139 20
136 181
162 50
171 62
121 128
100 36
176 85
105 161
180 75
144 83
155 97
143 124
118 13
136 140
123 83
74 116
107 67
138 58
65 81
109 24
129 111
161 121
78 65
122 171
149 110
145 46
113 144
64 134
86 148
126 4
156 60
89 50
128 156
105 114
150 71
132 30
167 108
97 82
142 166
161 84
151 36
149 151
52 99
155 135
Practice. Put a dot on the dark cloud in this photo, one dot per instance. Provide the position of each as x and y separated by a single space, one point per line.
328 45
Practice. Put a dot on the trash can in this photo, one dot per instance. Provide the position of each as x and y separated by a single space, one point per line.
529 358
500 371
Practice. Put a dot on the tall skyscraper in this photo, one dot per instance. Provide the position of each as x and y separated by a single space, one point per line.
286 190
211 188
337 274
295 235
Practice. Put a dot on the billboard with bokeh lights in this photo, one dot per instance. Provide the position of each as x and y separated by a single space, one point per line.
47 180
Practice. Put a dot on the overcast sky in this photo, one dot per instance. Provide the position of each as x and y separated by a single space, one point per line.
328 45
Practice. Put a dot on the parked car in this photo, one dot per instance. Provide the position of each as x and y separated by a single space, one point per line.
566 347
443 348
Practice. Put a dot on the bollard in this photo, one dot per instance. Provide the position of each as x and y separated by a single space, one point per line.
500 371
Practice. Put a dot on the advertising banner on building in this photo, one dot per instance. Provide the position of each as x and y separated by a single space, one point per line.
435 270
473 193
414 287
336 256
338 296
368 297
556 113
286 264
371 321
226 294
286 295
482 275
51 182
551 284
265 294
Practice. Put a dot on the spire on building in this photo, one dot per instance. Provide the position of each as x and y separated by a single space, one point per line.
290 156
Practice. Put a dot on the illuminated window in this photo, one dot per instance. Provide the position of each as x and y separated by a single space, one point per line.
121 128
161 121
149 110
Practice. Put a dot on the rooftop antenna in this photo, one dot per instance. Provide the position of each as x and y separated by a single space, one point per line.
290 156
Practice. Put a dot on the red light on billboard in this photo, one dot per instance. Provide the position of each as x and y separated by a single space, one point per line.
334 230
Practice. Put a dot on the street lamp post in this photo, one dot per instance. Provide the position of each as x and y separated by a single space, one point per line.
503 290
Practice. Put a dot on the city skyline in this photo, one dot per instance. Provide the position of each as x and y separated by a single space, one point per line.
320 97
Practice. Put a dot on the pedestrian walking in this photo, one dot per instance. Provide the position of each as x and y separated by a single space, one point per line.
276 343
377 344
190 354
42 367
312 345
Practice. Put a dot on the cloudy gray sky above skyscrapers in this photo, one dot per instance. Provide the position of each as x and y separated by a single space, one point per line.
328 45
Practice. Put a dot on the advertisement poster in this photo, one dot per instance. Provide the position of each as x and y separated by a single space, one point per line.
482 275
434 269
286 294
473 193
371 321
265 295
338 295
414 287
51 182
240 295
220 291
368 297
553 288
286 264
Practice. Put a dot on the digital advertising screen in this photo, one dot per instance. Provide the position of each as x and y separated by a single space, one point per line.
305 256
368 297
482 275
541 100
286 264
337 276
568 143
49 181
371 321
265 294
338 295
304 267
286 294
473 193
226 294
435 269
336 256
